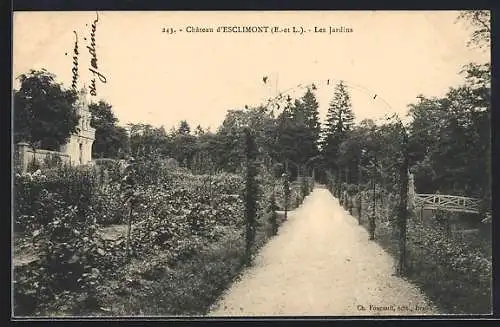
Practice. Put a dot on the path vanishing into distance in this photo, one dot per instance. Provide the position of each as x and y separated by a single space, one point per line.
321 263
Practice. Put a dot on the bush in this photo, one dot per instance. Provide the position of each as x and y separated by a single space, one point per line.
39 195
109 169
27 190
52 161
108 206
179 216
70 255
33 166
453 272
456 274
272 214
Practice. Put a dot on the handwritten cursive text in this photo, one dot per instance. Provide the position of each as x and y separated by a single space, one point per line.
94 69
74 70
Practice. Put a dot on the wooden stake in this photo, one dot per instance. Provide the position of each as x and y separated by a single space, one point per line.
359 193
128 232
403 202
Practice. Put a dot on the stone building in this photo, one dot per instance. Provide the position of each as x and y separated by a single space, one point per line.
78 149
79 146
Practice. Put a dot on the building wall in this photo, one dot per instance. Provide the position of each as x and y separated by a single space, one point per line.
72 149
85 136
25 155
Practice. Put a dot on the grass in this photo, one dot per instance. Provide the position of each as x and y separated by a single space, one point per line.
188 288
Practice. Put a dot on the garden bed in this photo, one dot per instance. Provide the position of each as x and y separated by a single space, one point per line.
187 244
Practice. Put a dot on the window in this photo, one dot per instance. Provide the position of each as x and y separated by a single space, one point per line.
81 153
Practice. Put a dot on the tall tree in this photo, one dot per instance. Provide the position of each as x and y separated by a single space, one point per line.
184 128
479 20
199 131
297 135
205 153
181 144
44 112
261 123
359 148
339 120
111 141
284 137
451 137
184 148
147 141
311 111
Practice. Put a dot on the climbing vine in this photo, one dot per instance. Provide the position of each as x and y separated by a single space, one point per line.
251 193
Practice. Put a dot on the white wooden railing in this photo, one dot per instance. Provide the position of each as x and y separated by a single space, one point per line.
447 202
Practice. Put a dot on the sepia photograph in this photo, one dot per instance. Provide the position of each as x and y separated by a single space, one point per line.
251 164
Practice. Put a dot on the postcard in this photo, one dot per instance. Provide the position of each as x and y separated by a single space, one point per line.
251 163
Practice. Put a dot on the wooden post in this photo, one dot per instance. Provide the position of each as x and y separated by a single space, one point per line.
346 205
339 185
403 203
251 190
210 186
359 193
448 224
372 218
129 230
286 191
128 188
411 192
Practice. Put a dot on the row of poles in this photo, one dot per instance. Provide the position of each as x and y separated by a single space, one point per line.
403 175
402 217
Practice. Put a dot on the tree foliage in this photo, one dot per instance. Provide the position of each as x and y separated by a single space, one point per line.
479 20
184 128
111 141
450 137
45 114
339 121
147 141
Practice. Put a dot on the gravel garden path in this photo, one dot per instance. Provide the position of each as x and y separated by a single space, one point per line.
321 263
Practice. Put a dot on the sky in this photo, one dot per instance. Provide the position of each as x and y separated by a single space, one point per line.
160 79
